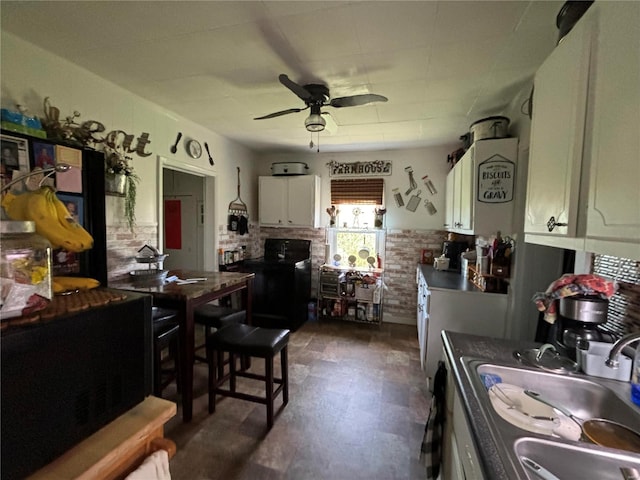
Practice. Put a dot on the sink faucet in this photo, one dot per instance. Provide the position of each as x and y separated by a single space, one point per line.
612 361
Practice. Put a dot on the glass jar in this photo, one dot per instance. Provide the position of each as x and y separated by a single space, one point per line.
25 268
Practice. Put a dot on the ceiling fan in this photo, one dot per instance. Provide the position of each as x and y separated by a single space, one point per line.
316 96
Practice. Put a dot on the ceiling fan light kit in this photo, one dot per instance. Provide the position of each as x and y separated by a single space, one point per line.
315 123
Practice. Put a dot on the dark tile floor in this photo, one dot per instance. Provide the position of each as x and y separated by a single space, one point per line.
357 408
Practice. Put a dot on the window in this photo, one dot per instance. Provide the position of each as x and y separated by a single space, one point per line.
354 242
357 247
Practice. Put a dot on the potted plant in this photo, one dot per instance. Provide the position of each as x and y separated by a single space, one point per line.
120 179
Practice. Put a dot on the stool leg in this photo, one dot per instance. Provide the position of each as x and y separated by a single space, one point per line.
157 371
213 381
268 364
284 363
232 372
177 363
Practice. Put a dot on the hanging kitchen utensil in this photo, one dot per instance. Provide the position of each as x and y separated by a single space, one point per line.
237 210
412 182
206 147
398 197
364 250
174 147
414 201
600 431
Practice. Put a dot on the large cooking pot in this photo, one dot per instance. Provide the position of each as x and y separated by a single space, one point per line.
490 127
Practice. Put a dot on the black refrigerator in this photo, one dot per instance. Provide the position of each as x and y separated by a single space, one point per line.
82 189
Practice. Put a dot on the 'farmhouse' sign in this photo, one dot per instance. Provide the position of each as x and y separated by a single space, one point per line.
360 169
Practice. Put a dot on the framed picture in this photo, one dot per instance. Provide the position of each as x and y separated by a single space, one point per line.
15 157
71 180
44 155
75 205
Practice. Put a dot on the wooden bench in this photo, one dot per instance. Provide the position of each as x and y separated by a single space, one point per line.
118 448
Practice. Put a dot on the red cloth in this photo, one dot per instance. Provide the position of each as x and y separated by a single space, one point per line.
569 285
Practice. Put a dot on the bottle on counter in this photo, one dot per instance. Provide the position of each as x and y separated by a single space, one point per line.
635 377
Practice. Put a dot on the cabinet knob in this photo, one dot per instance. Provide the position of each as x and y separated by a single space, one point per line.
551 224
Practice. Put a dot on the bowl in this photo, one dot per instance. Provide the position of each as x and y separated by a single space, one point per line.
151 276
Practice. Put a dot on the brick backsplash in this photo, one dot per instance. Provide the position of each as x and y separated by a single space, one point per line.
123 245
403 250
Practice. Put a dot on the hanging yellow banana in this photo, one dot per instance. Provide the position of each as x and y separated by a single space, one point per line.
69 223
44 215
15 205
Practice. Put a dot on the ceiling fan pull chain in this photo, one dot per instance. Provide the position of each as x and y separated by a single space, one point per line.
412 182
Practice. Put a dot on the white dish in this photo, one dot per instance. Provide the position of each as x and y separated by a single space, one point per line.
517 408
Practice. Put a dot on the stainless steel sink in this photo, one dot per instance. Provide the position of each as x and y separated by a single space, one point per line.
572 461
586 397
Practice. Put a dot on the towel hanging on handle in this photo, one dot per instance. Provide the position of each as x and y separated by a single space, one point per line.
431 448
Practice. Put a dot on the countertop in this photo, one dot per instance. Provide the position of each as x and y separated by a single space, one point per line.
448 280
458 345
212 282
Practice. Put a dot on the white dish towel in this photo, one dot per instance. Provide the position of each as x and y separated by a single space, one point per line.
154 467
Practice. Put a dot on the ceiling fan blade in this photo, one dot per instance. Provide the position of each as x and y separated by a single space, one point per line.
356 100
283 112
299 90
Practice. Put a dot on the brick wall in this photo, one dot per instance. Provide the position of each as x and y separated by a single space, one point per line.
123 245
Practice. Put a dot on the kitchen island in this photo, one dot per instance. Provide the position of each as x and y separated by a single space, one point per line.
475 431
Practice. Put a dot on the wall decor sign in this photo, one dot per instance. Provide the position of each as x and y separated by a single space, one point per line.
360 169
496 176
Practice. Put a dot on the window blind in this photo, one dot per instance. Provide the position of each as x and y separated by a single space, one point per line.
357 191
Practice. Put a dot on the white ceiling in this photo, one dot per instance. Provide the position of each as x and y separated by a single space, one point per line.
442 64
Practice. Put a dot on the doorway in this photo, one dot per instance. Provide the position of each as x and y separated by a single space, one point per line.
186 220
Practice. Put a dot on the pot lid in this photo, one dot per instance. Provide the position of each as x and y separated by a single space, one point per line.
488 119
547 358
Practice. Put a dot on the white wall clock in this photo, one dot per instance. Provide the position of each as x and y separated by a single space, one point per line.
194 148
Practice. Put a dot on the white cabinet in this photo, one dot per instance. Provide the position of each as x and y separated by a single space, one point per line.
613 148
473 312
422 317
480 189
460 458
583 170
557 132
292 201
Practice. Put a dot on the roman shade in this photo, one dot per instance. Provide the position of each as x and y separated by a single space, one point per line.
357 191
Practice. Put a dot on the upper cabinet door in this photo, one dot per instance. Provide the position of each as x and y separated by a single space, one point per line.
272 195
302 200
467 167
449 200
613 211
557 131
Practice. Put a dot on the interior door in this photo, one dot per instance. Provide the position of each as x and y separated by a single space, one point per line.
181 218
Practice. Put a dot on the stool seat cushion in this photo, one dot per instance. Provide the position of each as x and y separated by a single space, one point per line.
162 317
216 316
248 340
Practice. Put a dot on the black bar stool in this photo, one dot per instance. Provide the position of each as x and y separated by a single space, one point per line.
165 336
244 340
